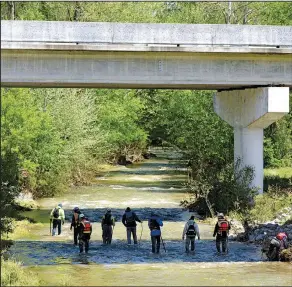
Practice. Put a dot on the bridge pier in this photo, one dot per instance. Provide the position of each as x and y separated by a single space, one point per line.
249 111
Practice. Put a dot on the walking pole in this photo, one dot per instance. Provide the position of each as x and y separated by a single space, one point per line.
163 243
141 232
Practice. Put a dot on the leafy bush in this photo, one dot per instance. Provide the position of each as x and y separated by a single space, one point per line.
224 190
7 212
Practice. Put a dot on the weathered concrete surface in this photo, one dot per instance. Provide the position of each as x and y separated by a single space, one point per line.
249 112
123 55
132 33
33 68
252 108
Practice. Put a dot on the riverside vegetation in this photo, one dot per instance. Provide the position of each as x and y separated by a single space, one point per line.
54 138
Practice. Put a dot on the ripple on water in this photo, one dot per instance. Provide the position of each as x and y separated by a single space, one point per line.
43 253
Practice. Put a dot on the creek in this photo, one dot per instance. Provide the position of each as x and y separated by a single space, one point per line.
156 184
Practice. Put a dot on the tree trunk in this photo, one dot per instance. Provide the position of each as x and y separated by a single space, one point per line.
245 18
11 7
77 11
209 205
229 13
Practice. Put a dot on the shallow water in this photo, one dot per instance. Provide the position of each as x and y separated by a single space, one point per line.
156 184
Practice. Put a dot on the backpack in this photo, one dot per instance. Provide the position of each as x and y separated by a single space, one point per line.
56 213
276 242
130 217
154 224
191 230
108 219
87 226
223 226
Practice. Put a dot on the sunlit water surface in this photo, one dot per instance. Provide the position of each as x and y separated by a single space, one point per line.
156 184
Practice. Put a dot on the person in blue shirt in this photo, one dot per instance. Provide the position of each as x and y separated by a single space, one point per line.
154 224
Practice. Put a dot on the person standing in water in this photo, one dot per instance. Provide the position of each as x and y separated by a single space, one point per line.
129 220
85 233
221 229
191 230
58 217
107 225
154 224
75 223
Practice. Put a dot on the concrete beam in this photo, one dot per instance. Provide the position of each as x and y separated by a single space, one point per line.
249 112
132 33
117 69
143 48
252 108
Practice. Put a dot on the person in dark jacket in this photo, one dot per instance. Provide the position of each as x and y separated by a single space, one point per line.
75 223
129 220
221 229
85 233
107 225
277 244
154 224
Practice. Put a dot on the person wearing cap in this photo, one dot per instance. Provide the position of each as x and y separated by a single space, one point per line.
84 233
107 225
129 220
154 224
75 223
57 215
191 230
221 229
277 244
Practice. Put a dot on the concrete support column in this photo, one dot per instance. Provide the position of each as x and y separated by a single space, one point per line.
249 111
248 145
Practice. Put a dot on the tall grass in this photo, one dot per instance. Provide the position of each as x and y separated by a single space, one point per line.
283 172
12 274
21 229
267 206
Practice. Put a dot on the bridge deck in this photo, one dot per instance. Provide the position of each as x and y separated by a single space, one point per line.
140 33
122 55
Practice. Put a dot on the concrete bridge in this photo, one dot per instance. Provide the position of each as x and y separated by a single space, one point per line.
249 66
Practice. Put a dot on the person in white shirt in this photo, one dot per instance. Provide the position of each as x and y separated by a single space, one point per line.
191 230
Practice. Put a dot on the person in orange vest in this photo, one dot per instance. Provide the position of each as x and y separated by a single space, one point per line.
221 229
75 223
85 233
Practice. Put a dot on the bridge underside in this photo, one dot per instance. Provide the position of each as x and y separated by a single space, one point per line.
166 68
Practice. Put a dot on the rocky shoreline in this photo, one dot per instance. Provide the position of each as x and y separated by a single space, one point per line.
259 233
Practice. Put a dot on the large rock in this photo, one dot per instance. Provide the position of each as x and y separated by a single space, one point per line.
271 225
123 160
232 237
251 239
260 237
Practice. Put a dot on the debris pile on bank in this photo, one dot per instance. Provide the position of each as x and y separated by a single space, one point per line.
257 232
